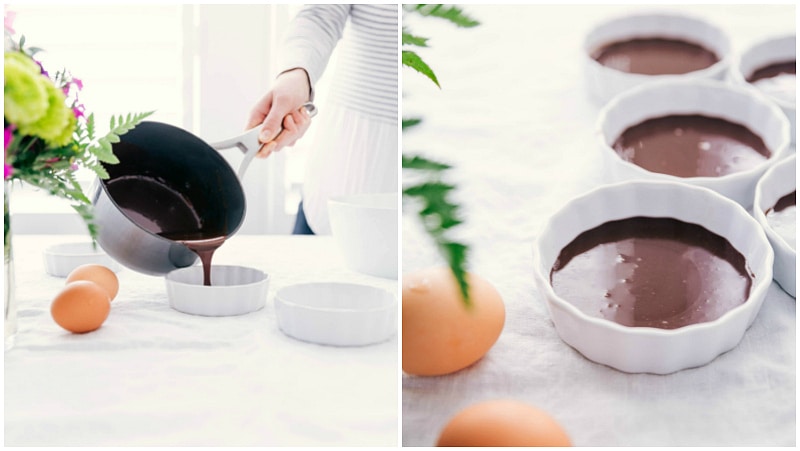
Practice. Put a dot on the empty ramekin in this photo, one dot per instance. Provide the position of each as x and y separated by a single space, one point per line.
336 314
603 83
365 228
234 290
770 51
780 180
646 349
61 259
709 98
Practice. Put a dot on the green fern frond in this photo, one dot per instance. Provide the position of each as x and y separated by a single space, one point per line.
410 39
422 163
453 14
411 122
412 60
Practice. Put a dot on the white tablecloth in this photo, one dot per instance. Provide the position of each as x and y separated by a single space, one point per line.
153 376
513 118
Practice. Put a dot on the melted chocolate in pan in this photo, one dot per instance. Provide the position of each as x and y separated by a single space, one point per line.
161 210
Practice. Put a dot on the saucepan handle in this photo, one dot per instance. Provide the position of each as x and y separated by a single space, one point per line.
249 144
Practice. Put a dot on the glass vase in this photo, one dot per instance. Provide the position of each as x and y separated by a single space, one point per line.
10 322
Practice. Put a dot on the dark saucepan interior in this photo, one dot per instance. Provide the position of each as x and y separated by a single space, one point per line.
171 183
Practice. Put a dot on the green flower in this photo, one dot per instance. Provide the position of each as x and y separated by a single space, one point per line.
24 60
25 90
55 124
66 134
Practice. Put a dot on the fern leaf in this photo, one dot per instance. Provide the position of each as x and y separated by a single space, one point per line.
90 127
411 122
410 39
100 171
421 163
412 60
453 14
103 151
456 256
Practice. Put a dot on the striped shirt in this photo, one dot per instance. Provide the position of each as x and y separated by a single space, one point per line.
366 77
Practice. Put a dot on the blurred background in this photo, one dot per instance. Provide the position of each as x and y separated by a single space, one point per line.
199 67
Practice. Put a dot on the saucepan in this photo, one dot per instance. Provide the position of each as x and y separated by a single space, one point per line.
169 182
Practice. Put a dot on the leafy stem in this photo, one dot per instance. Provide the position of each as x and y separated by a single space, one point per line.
437 213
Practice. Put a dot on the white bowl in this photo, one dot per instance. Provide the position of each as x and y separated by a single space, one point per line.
703 97
336 314
365 228
777 182
603 83
61 259
234 290
770 51
647 349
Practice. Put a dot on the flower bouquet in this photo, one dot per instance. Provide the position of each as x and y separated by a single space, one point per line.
48 135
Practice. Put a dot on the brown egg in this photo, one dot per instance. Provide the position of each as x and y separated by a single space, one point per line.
98 274
502 423
440 334
81 306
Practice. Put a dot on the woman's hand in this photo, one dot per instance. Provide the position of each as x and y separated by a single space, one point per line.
283 104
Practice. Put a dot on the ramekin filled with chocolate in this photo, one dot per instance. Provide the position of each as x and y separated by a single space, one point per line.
627 51
702 132
775 208
652 276
770 67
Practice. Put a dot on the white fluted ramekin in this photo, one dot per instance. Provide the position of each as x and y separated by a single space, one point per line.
777 182
603 83
769 51
702 97
336 314
61 259
234 290
647 349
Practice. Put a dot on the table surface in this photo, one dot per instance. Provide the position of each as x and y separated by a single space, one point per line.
513 119
154 376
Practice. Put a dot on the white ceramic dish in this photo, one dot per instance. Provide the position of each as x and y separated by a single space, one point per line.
704 97
365 228
336 314
771 51
646 349
234 290
777 182
61 259
603 83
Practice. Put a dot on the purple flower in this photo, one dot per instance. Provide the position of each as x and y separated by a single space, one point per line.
77 82
73 167
44 72
8 135
78 110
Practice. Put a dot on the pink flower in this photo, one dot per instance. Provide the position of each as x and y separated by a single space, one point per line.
73 167
7 137
8 21
44 72
74 82
78 110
